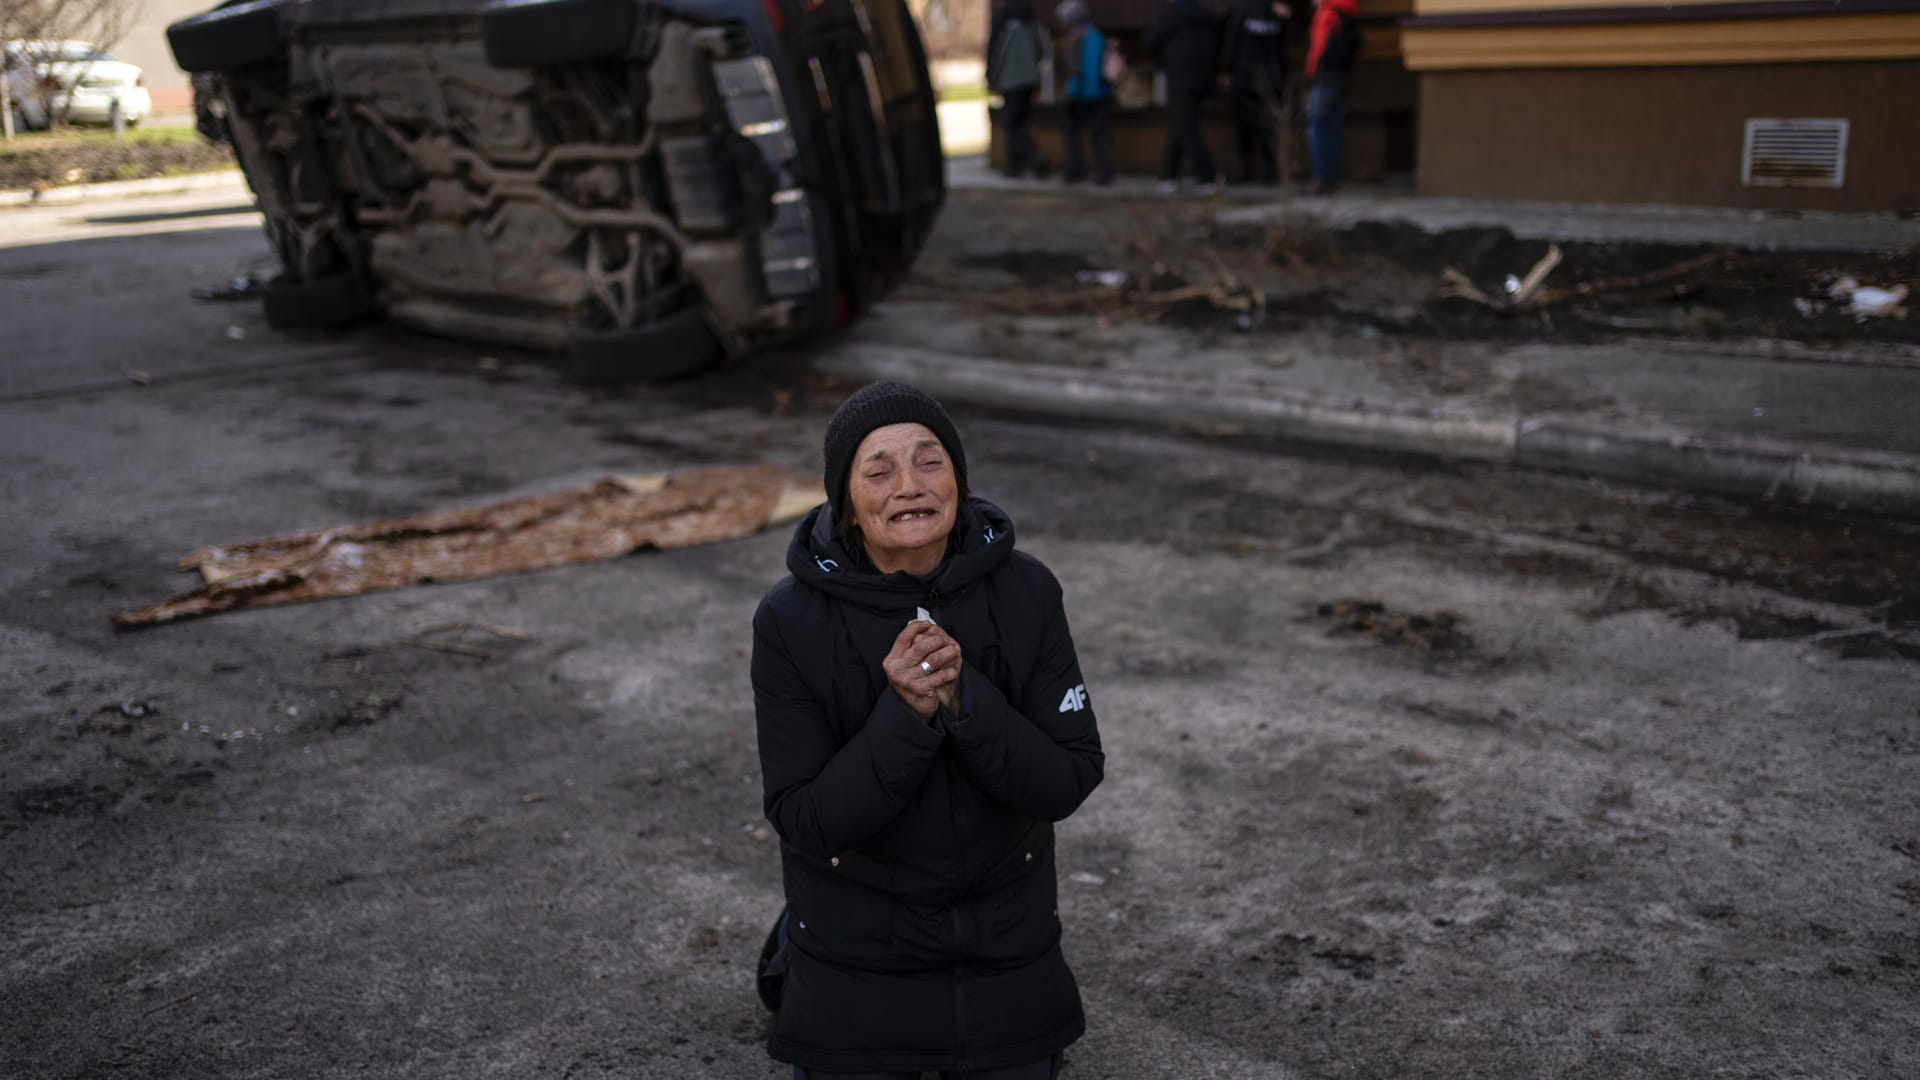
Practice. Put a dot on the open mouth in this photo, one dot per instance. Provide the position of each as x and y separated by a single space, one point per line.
912 515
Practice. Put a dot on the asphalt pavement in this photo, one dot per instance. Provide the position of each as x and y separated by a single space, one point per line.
1412 772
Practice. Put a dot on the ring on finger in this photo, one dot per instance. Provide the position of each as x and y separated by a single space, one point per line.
926 668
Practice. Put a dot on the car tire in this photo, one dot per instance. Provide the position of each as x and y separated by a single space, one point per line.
677 346
240 36
321 304
545 33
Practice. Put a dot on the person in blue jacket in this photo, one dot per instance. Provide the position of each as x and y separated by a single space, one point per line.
922 722
1089 94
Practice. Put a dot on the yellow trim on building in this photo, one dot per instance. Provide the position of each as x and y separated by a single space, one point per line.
1665 44
1379 42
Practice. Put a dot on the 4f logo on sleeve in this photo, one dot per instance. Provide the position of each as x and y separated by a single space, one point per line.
1075 700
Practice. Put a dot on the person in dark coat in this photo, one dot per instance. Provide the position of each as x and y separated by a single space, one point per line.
1013 71
1253 54
1333 45
922 723
1185 44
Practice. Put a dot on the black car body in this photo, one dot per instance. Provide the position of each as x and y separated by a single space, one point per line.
643 183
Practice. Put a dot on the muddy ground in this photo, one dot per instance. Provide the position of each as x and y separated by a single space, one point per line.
1415 770
1387 278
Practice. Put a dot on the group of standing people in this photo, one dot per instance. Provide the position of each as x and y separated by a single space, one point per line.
1198 53
1014 56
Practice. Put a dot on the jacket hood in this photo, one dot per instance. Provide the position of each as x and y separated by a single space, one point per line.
982 539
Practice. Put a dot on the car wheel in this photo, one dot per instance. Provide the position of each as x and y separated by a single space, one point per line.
321 304
676 346
543 33
243 35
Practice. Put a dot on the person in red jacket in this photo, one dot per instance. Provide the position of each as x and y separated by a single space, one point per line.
1332 46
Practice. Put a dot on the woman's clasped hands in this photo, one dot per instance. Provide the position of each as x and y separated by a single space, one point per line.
924 668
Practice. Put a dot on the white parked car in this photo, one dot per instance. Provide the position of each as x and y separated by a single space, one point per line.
49 78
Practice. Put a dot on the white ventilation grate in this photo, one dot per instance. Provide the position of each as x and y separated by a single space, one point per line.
1795 153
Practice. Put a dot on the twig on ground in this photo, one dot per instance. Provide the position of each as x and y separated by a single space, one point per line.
1588 289
181 1000
1531 283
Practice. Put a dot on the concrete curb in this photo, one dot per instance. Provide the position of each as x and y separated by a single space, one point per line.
160 185
1824 477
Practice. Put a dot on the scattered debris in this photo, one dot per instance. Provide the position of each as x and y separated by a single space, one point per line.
136 376
606 520
1433 631
1529 293
365 711
181 1000
1633 282
1521 290
1082 877
435 638
1149 296
1726 913
1356 963
118 719
1868 301
240 288
235 333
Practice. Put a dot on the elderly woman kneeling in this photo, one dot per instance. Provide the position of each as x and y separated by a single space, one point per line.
922 724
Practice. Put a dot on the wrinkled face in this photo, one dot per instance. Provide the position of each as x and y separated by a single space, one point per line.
904 496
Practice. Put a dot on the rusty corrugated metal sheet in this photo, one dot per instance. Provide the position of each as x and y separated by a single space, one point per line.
603 521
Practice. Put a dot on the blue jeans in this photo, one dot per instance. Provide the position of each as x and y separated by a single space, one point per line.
1327 131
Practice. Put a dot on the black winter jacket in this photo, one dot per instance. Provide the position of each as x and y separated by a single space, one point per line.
1253 48
1185 44
917 857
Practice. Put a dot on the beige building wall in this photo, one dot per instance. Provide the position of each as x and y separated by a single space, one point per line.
146 44
1558 100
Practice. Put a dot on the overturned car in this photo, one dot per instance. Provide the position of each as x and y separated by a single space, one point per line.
643 183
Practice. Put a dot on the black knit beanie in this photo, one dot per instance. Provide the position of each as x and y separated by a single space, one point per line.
876 406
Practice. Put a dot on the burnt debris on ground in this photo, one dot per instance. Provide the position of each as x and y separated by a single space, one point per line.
1127 259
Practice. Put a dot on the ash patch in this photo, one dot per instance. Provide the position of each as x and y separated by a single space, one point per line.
363 711
1437 633
1032 268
